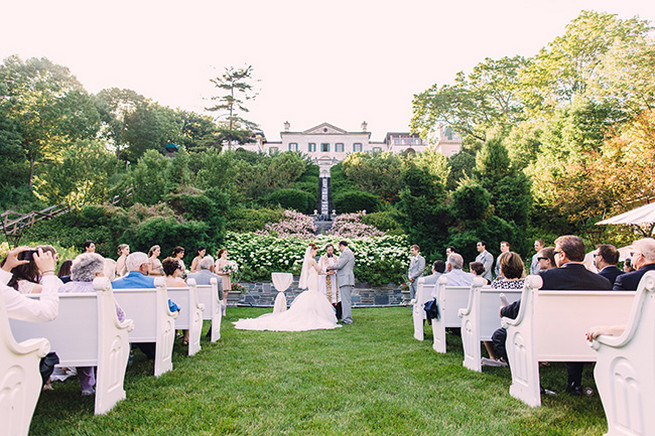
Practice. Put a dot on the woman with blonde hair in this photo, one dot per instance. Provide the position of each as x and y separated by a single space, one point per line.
154 264
123 252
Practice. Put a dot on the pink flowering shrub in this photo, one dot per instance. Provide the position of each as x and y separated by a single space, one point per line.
293 224
350 225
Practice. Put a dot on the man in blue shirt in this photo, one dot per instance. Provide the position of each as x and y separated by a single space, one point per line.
136 277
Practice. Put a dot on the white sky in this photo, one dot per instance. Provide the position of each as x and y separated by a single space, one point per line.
340 61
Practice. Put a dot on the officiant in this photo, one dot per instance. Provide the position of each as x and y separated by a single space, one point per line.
327 284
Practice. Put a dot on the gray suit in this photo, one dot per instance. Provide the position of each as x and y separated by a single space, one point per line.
416 267
346 281
488 261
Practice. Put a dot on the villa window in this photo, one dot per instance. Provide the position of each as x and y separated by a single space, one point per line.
325 147
338 147
293 146
273 150
357 146
312 147
377 148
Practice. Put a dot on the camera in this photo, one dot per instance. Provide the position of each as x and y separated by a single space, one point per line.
27 255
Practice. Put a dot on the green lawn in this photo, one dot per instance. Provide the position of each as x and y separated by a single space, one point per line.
371 377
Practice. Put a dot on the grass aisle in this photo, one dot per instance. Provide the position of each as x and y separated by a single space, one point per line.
368 378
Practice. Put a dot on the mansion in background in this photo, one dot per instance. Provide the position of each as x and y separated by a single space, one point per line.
327 145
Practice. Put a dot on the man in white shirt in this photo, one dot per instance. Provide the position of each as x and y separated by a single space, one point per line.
17 305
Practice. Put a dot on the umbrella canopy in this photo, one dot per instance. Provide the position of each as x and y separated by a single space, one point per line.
643 217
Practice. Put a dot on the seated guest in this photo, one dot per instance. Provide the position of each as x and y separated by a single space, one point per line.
26 278
173 273
64 272
570 274
511 267
613 330
477 269
643 259
204 275
85 268
627 265
23 308
546 259
137 269
18 306
455 275
606 260
438 267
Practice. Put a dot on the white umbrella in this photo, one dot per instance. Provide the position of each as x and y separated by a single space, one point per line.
642 218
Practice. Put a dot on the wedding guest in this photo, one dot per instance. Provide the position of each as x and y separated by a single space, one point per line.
64 272
477 269
137 269
222 269
546 258
89 247
85 268
123 252
415 270
438 268
21 307
173 274
110 269
511 268
534 265
178 253
18 306
154 264
26 278
485 258
504 248
450 250
606 260
643 259
627 265
200 254
456 276
203 277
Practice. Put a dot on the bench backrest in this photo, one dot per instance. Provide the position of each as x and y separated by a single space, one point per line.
561 319
490 309
450 299
73 335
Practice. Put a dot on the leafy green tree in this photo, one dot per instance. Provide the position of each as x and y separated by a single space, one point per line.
150 178
376 173
199 132
486 97
45 107
237 88
81 177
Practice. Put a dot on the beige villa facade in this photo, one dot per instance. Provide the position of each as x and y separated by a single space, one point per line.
327 144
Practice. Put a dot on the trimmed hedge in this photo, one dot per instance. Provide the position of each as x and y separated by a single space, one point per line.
355 201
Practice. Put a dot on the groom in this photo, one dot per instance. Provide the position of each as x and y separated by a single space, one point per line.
345 279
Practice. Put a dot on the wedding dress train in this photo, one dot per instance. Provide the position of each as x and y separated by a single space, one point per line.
309 311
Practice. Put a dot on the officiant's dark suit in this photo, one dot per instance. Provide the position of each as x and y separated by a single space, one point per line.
630 281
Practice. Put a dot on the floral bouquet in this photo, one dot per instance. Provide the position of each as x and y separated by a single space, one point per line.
231 266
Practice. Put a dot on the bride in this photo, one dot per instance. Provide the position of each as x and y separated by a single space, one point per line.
309 311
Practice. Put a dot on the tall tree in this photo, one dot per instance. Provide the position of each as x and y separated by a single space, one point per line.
236 86
46 107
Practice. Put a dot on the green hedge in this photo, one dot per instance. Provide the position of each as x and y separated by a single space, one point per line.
355 201
291 198
250 220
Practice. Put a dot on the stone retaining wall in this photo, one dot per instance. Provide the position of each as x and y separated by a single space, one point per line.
262 294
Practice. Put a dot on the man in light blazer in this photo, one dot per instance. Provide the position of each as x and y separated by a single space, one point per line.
345 280
416 267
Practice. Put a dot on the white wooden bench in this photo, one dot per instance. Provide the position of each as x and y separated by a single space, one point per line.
153 320
190 315
423 295
480 319
87 332
551 327
625 368
208 296
450 299
20 379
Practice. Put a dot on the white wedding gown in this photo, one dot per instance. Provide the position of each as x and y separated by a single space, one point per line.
309 311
